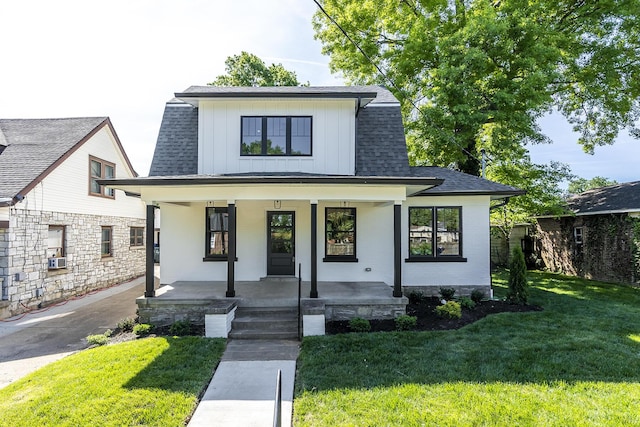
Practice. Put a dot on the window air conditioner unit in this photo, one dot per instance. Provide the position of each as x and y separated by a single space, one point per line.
55 263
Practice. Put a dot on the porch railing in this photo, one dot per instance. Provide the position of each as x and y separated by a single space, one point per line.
277 410
299 302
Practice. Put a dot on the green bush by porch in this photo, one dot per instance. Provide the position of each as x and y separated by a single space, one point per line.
151 381
575 363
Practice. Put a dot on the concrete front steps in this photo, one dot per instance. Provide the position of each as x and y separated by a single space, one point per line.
265 323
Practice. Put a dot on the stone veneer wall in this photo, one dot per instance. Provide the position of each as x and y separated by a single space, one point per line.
26 243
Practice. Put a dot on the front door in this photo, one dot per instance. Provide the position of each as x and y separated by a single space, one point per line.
281 260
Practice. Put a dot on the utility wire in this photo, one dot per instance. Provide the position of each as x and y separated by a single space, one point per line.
386 77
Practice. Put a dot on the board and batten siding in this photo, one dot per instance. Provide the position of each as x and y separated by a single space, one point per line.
66 188
333 136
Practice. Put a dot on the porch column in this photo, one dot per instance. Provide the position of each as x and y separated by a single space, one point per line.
149 267
314 249
231 256
397 250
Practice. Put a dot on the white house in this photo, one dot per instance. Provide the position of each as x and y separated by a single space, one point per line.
61 233
256 182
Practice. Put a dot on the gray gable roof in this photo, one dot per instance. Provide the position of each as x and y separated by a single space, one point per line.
34 146
176 151
614 198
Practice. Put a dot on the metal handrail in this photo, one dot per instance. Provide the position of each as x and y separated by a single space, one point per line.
277 411
299 302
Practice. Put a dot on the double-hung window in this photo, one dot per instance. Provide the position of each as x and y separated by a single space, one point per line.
55 241
276 136
435 234
106 242
100 169
340 234
217 233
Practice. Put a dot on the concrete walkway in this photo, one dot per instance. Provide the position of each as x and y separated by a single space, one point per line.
243 389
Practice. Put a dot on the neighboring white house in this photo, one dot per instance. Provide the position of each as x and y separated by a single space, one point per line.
276 177
61 233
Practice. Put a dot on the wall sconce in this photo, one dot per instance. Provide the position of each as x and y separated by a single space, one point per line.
277 204
344 204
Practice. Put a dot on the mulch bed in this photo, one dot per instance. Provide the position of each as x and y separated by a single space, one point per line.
428 320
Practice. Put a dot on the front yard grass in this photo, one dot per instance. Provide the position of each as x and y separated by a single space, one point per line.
151 381
575 363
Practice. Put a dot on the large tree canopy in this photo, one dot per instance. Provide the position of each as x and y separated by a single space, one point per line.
580 185
248 69
481 73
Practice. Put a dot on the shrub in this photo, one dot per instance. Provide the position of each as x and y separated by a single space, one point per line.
450 310
143 329
358 324
466 302
447 293
127 324
415 297
477 295
99 339
180 328
518 284
405 322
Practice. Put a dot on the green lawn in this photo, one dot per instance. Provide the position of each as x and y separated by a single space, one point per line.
150 382
575 363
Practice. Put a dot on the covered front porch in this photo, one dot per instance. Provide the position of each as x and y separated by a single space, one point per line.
206 303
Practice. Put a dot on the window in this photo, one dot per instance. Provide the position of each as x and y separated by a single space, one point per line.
435 233
276 136
100 169
136 236
217 239
106 242
578 235
340 230
55 245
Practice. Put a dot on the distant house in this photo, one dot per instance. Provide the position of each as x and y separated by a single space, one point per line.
600 240
61 233
255 182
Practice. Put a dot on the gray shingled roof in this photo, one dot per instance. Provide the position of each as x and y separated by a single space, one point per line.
34 145
381 149
176 151
456 182
380 142
614 198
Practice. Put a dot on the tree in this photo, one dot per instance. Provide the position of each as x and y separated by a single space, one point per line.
247 69
543 194
479 74
580 185
518 284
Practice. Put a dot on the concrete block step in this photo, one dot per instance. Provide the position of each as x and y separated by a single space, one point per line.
263 335
287 325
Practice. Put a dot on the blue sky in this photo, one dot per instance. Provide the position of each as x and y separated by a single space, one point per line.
125 58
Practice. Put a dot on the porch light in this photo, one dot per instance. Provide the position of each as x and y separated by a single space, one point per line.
277 204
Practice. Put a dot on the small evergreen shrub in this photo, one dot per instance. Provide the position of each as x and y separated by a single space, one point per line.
180 328
142 329
99 339
466 302
415 297
518 284
358 324
405 322
477 295
126 324
447 293
450 310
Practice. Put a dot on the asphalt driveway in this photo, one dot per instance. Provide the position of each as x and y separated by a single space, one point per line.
36 339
